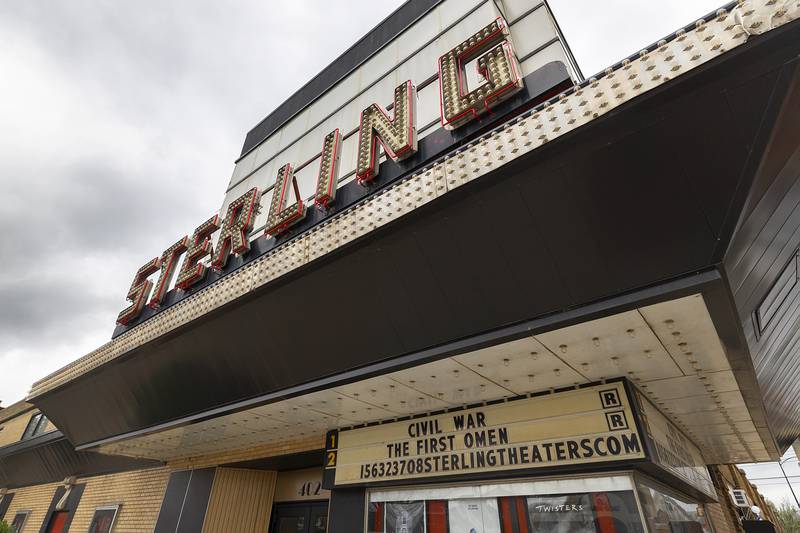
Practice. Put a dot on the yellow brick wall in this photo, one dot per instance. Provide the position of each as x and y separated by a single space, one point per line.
36 499
241 501
13 410
14 428
49 427
139 494
731 476
268 450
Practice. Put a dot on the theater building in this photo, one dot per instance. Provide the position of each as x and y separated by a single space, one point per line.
454 285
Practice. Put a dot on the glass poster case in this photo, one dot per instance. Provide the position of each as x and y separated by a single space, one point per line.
616 503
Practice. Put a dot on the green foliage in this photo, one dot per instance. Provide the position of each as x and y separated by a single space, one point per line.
4 527
790 517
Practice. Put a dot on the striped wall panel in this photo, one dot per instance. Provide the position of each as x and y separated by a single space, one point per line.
241 501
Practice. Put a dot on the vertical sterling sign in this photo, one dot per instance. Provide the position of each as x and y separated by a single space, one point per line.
398 135
490 52
496 63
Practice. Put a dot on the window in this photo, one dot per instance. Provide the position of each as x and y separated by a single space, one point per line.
103 519
578 505
35 427
19 521
780 293
666 513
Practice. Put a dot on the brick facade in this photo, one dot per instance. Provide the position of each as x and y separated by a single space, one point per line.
725 516
35 499
139 494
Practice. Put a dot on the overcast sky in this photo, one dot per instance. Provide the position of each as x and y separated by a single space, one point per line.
121 120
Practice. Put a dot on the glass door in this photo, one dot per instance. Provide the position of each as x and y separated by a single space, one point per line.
300 518
319 518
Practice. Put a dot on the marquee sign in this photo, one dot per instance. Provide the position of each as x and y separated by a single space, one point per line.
673 451
496 62
589 425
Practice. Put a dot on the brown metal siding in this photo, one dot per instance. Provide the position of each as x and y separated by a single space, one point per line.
241 501
766 239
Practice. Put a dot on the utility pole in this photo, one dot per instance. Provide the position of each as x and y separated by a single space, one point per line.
780 464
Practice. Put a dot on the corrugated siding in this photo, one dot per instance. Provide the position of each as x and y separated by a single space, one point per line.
241 501
35 499
138 493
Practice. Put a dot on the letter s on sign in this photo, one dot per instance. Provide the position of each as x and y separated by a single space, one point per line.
139 291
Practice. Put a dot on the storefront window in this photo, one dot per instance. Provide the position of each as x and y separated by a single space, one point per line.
666 513
597 505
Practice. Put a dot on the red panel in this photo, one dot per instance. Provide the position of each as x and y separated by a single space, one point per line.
522 515
603 513
377 526
58 522
437 516
505 515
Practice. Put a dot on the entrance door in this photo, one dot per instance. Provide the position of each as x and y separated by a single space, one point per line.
57 522
300 518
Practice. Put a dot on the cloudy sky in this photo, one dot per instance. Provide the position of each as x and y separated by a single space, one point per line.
121 120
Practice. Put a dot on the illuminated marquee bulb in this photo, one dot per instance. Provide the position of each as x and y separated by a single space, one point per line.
139 291
192 271
281 217
496 63
236 227
398 136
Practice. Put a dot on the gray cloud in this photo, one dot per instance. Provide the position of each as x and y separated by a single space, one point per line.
120 123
